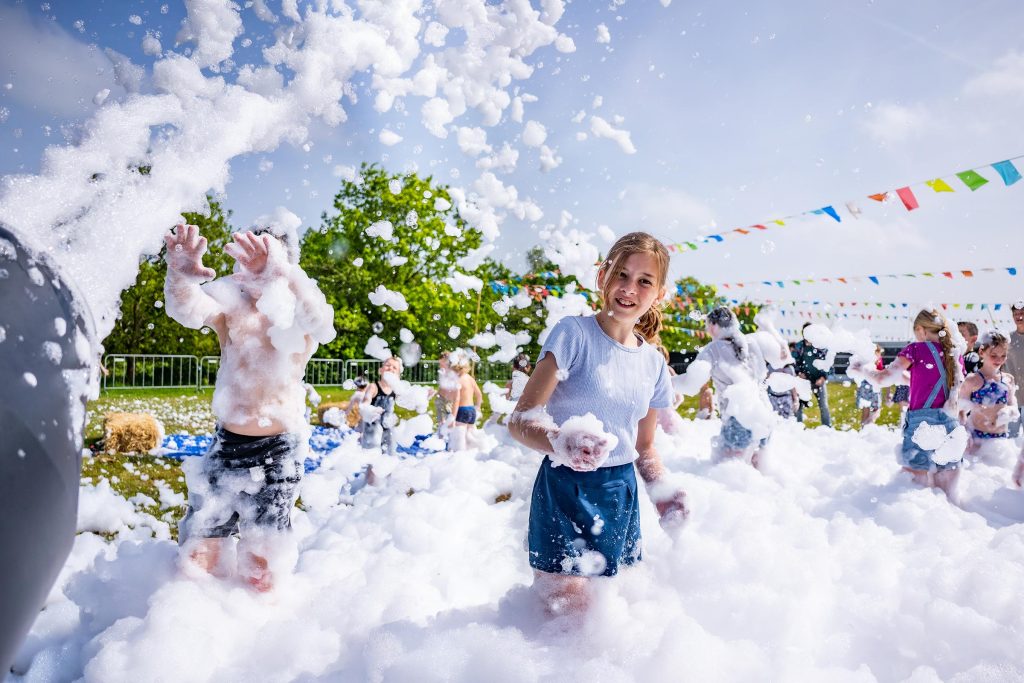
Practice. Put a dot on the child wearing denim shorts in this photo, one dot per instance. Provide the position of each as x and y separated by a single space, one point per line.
585 512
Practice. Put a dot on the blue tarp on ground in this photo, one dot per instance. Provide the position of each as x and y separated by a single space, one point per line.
322 441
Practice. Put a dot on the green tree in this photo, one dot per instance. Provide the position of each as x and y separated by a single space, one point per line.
684 315
143 325
429 237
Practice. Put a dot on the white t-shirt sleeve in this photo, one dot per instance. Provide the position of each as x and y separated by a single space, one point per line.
663 394
564 343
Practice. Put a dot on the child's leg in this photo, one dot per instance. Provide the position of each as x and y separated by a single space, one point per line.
206 554
946 481
562 594
457 438
920 477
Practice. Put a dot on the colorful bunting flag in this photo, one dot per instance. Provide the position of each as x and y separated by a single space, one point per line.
972 179
1007 171
906 195
939 185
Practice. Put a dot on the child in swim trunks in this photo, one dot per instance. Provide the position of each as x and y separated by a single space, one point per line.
247 482
468 403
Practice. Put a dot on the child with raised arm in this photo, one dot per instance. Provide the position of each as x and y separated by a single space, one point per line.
988 395
591 408
269 318
738 371
931 451
468 402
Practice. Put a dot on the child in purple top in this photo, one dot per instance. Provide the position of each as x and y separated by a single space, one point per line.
924 374
935 378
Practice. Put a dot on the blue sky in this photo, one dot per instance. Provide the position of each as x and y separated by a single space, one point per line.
739 112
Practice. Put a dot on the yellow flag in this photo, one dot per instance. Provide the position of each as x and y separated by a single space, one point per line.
939 185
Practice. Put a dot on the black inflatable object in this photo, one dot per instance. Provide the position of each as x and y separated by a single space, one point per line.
45 359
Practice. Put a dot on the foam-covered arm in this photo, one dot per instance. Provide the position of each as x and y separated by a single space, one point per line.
530 424
312 310
888 376
184 297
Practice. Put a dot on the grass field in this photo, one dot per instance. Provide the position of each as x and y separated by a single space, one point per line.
189 411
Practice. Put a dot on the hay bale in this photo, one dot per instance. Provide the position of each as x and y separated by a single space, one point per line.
131 432
327 405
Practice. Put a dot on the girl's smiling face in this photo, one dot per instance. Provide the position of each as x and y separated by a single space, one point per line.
634 288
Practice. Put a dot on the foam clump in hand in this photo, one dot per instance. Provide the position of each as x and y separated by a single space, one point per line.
582 444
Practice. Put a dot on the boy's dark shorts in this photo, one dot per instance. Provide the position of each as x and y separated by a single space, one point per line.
253 482
574 515
466 415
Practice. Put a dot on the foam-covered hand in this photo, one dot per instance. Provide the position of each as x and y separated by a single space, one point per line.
254 253
670 500
185 249
583 452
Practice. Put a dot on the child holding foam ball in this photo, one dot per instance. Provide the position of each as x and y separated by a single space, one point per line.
591 407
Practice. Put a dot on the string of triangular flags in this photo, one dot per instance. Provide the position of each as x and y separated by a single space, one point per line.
965 306
971 178
875 279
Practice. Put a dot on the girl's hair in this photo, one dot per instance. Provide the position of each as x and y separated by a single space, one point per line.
936 323
521 363
649 324
729 328
444 355
663 351
992 338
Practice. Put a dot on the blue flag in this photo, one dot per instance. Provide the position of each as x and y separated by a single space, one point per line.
1007 171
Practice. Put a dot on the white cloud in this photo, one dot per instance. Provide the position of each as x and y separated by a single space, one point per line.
1005 78
895 122
50 69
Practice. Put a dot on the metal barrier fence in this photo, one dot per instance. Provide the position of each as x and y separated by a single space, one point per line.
138 371
208 368
325 372
150 371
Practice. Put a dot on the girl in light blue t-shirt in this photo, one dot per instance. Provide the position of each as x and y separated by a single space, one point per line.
591 406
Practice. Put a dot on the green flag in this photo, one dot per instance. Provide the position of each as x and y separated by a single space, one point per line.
971 179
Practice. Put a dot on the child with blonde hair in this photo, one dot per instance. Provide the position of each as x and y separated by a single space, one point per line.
933 441
591 407
468 402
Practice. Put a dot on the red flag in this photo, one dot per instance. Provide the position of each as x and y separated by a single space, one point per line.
759 227
907 195
949 275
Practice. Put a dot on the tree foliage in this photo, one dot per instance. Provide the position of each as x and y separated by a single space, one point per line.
684 315
429 238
